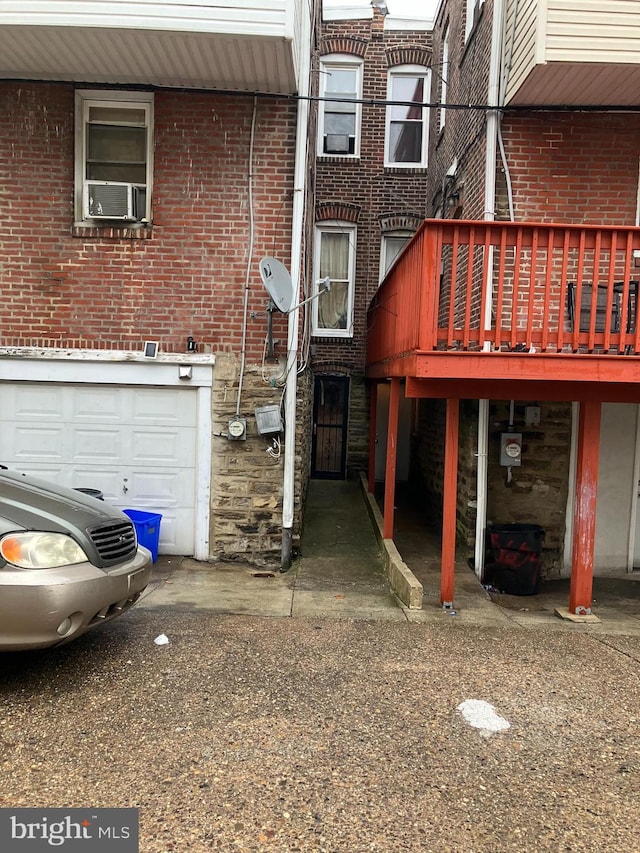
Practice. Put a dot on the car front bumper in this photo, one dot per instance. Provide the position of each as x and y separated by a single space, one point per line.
48 607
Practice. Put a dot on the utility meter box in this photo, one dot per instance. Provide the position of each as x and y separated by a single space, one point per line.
268 420
511 449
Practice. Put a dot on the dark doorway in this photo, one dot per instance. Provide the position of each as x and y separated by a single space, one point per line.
330 412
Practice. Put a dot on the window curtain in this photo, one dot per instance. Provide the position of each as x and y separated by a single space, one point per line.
334 262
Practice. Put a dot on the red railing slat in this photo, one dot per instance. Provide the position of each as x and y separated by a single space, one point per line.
564 288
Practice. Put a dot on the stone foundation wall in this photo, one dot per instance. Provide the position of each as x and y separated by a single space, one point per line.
537 493
247 475
358 438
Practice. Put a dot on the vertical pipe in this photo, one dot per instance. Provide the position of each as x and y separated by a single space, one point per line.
373 426
482 460
297 232
450 502
584 529
493 95
392 455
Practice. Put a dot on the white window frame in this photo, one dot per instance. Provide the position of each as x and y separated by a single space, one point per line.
444 76
393 74
86 98
333 227
387 237
345 63
471 17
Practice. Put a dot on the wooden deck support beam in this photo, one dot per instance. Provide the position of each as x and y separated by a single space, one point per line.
584 520
447 571
392 455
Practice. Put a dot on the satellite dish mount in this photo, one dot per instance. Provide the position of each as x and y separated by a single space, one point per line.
277 280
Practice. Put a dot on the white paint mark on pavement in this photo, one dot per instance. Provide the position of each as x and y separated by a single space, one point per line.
482 715
161 640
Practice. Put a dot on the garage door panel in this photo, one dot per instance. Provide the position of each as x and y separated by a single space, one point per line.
109 482
162 447
110 439
54 473
33 402
168 487
95 444
172 528
38 443
163 406
94 404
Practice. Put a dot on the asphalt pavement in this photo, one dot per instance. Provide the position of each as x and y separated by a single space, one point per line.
294 712
247 733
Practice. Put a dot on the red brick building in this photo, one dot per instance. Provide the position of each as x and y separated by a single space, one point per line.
142 182
369 199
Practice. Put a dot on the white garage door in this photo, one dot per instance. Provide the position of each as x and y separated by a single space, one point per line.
137 445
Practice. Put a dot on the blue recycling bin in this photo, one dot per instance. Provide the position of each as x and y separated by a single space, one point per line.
147 525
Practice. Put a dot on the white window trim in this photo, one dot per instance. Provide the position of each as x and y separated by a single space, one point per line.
471 16
390 235
85 97
410 71
342 228
444 78
353 64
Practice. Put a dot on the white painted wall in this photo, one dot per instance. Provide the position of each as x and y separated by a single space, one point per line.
616 483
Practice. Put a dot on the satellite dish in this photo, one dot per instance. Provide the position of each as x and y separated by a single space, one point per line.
277 280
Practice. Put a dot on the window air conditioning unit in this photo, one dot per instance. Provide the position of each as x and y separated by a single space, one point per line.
111 200
337 143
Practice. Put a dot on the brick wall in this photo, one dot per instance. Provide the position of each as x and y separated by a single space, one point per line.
363 191
574 168
186 275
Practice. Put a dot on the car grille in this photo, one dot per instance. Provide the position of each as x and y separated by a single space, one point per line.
114 541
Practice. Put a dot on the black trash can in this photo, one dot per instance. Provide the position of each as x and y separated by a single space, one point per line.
94 493
514 566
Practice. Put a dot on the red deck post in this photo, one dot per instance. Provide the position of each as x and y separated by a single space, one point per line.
584 519
447 570
392 453
373 405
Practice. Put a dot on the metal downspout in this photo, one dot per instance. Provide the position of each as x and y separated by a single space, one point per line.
493 99
297 232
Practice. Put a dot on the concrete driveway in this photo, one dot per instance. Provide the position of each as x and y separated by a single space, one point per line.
248 733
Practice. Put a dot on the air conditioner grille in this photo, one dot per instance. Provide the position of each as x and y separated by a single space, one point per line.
111 200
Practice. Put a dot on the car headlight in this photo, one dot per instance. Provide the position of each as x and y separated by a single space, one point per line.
39 550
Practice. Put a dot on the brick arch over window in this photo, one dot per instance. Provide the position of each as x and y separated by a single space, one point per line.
335 368
337 210
408 55
399 222
344 44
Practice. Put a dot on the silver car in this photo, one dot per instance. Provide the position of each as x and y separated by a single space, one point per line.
68 562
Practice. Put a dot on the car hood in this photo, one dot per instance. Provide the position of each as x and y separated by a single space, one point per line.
32 504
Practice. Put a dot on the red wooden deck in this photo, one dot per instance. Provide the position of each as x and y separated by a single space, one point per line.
504 310
471 302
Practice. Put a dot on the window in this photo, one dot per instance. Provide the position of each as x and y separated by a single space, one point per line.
392 244
444 74
113 155
474 7
406 126
335 257
339 121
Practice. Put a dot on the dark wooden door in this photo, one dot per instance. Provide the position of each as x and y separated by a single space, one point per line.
330 416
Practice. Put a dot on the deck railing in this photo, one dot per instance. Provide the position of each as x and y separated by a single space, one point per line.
505 286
